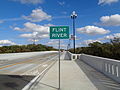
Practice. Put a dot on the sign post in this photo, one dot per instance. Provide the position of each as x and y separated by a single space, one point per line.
59 64
59 32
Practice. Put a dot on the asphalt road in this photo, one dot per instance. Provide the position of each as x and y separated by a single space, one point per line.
15 74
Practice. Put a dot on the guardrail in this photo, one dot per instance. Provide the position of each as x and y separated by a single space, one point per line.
109 67
73 56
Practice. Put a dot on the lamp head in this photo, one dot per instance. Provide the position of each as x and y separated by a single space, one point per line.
73 15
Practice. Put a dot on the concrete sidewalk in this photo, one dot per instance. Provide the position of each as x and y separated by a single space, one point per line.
75 75
72 78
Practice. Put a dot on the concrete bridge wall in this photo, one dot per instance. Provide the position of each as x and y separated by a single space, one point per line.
73 56
109 67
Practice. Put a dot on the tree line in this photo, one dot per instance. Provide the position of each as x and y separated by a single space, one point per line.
25 48
108 50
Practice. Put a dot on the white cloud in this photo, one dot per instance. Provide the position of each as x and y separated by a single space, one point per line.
6 42
36 32
113 20
29 1
107 1
38 15
61 3
33 40
92 30
52 42
55 43
34 35
86 42
64 46
1 21
117 35
108 37
32 27
29 35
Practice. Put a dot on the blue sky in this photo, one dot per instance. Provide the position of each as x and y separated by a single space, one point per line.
98 20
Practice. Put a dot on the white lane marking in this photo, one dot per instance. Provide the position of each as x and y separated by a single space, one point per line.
25 73
21 66
29 85
45 65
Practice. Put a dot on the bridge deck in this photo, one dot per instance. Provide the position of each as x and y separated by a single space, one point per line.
75 75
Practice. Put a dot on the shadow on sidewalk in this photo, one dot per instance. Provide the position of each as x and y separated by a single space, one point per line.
48 86
100 81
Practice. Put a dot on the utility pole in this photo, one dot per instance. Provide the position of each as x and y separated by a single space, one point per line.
73 16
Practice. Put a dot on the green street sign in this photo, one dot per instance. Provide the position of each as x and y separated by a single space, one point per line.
59 32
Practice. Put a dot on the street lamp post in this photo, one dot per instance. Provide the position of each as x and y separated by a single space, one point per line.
74 16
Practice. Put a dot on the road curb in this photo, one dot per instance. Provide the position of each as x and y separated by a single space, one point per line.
29 85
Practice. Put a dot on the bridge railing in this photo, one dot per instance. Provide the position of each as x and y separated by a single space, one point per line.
109 67
73 56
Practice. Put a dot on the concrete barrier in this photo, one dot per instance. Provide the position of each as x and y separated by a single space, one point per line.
109 67
73 56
